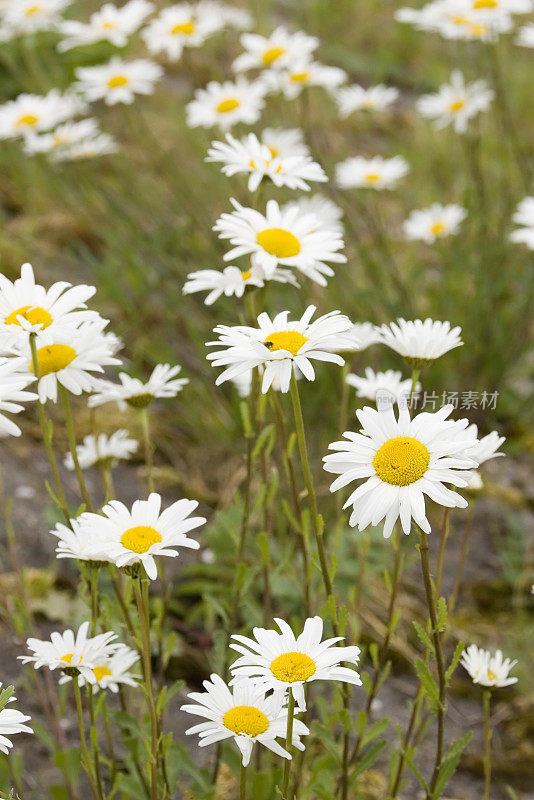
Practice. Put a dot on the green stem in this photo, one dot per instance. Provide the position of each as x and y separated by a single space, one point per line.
141 596
149 453
243 784
94 739
72 445
111 747
85 753
93 584
486 700
289 744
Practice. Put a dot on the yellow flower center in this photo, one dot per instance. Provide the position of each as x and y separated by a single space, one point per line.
459 20
187 28
54 357
33 314
292 667
491 675
274 151
228 105
478 30
437 228
272 54
140 538
285 340
485 4
101 672
67 657
117 80
246 274
31 10
279 242
299 77
372 177
401 461
27 119
246 720
457 105
108 24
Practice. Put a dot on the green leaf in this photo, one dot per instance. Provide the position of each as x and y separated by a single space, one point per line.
367 761
449 763
423 636
428 683
415 769
455 659
376 730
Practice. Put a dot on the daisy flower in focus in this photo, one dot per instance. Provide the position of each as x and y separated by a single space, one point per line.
109 23
34 113
456 102
280 49
435 222
326 212
250 156
292 80
68 356
525 37
226 104
73 541
420 342
136 537
487 669
14 379
279 346
231 281
76 652
179 26
118 81
100 449
243 714
524 216
11 721
357 98
398 462
29 16
136 393
388 386
373 173
27 306
283 662
281 237
113 670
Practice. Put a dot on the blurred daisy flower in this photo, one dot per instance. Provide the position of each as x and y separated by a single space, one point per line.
109 24
456 103
420 342
226 15
279 346
487 669
435 222
100 145
113 670
525 37
284 142
244 714
364 334
283 662
326 212
74 652
136 537
372 173
357 98
100 449
281 237
250 156
388 386
226 104
29 16
11 720
524 216
33 113
292 80
398 462
63 136
136 393
73 541
118 81
231 281
179 26
14 379
279 50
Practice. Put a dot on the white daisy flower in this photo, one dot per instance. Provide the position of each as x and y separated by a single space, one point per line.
73 541
284 663
64 135
380 387
373 173
243 714
14 379
284 142
357 98
231 281
250 156
11 721
243 382
71 651
109 24
226 104
228 16
113 670
34 113
279 346
27 306
327 213
100 449
435 222
136 393
68 356
420 342
487 669
126 537
179 26
524 216
281 237
525 37
101 145
118 81
279 50
484 449
456 102
472 25
301 74
401 461
364 335
30 16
